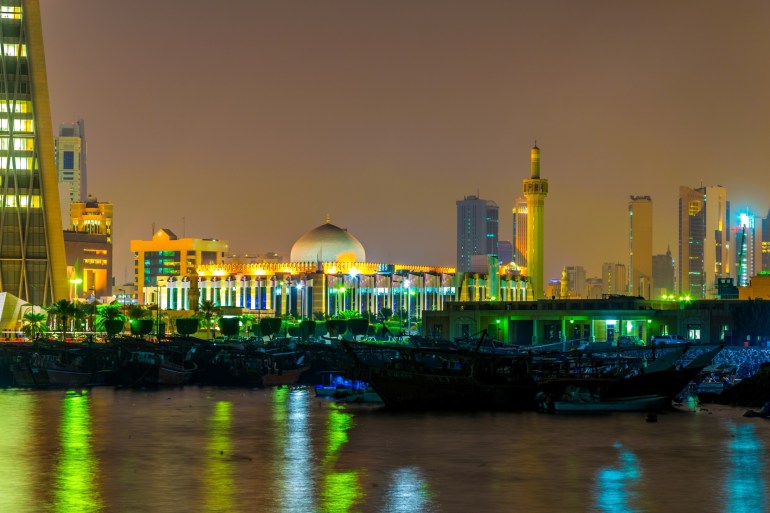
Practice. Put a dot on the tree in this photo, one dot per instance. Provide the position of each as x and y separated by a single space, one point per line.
62 311
33 324
386 313
110 318
269 326
209 312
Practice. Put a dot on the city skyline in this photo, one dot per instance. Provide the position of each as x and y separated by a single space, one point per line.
383 116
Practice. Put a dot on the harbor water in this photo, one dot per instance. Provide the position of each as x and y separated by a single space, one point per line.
199 449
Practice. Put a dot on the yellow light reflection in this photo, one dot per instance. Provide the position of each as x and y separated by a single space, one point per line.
15 465
219 482
77 468
294 441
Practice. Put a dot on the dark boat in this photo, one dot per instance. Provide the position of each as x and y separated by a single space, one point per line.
144 368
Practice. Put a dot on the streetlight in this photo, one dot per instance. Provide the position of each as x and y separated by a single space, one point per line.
75 282
301 301
123 301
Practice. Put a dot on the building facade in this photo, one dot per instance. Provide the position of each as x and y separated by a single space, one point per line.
88 243
167 256
477 230
535 190
32 258
641 281
614 279
704 240
70 155
663 275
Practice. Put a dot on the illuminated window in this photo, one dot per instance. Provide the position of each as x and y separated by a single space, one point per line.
10 13
15 105
695 207
23 144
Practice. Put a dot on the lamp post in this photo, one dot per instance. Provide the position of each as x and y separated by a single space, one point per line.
123 302
157 317
75 282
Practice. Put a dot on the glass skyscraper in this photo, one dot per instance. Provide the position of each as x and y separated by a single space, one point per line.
32 260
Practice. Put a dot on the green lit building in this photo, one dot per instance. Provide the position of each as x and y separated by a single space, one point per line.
32 258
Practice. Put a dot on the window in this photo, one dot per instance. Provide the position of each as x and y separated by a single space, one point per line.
68 160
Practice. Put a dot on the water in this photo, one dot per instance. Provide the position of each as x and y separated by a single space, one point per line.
225 450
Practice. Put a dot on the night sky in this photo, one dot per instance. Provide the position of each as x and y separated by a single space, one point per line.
250 120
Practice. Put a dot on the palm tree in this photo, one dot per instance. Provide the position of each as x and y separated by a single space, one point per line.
62 311
209 312
105 314
33 324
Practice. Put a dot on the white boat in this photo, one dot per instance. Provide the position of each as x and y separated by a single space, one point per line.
636 403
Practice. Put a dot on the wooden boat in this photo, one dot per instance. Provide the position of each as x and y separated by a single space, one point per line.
155 368
277 377
636 403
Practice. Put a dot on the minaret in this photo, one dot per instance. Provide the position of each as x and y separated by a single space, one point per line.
535 190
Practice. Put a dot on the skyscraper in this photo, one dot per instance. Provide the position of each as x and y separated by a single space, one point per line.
704 236
748 253
640 281
765 244
70 148
663 275
477 230
520 232
614 279
32 262
535 191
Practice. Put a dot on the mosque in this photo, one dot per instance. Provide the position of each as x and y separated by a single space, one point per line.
328 273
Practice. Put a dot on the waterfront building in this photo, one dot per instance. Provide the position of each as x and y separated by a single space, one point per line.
166 257
32 258
663 275
520 232
559 322
640 282
614 279
704 238
477 230
88 245
329 274
70 156
535 190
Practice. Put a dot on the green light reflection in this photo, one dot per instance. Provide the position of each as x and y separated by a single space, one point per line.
77 468
16 466
341 490
219 474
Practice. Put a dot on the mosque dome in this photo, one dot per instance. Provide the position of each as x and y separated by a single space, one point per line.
328 243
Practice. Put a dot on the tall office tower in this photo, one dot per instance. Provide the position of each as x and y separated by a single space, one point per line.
477 230
167 256
88 241
704 237
520 232
614 279
765 244
640 281
70 151
748 250
504 252
577 286
535 190
32 262
663 275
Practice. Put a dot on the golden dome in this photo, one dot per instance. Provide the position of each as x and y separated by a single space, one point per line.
328 243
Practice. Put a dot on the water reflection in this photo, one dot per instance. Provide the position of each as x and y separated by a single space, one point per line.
615 486
16 463
77 469
219 482
293 437
745 487
407 492
341 490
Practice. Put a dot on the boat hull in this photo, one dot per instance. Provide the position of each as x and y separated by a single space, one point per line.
639 403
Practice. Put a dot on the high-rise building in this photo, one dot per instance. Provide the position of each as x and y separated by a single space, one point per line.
520 232
704 238
663 275
168 256
614 279
747 248
640 281
32 260
504 251
477 230
765 244
88 240
70 149
577 286
535 191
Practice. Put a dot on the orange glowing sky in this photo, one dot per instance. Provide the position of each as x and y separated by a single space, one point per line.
250 120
